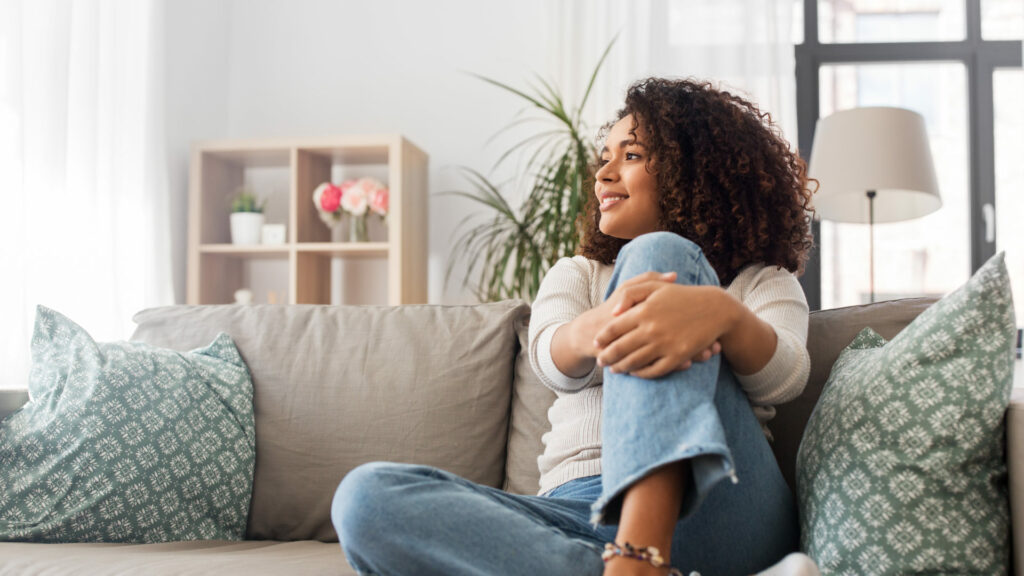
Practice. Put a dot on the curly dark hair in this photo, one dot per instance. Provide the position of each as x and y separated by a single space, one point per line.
726 179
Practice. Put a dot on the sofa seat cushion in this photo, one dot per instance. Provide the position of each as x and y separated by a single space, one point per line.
252 558
339 386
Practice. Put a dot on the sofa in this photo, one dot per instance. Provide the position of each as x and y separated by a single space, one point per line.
447 386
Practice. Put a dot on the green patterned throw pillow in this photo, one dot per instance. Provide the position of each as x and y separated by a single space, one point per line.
902 468
124 442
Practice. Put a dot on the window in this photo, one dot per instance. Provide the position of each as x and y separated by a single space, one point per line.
958 63
926 256
1008 85
1002 19
859 21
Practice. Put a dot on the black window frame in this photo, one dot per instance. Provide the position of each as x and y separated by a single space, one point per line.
980 57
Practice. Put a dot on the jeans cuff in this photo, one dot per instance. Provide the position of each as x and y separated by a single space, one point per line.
709 465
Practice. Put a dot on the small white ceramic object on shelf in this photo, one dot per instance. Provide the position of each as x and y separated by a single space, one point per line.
246 227
243 296
274 234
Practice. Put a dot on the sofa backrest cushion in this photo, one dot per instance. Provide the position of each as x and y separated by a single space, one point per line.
339 386
829 332
528 421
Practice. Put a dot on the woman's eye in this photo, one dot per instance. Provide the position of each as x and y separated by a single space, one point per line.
602 161
632 156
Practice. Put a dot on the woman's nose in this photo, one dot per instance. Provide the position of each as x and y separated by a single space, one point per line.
607 173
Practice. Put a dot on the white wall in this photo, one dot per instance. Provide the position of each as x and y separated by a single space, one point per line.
263 68
196 61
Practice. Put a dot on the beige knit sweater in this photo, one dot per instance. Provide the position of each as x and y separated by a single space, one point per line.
572 449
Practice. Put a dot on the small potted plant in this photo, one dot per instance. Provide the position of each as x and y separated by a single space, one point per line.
246 217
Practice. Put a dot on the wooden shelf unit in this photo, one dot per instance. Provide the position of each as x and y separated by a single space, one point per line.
218 169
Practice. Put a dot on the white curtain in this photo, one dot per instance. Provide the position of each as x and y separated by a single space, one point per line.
83 180
741 45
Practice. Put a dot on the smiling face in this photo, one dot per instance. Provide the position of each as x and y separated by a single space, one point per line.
625 188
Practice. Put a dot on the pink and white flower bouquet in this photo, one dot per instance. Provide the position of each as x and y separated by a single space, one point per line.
354 198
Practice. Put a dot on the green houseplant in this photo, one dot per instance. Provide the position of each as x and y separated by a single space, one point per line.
246 201
513 248
246 217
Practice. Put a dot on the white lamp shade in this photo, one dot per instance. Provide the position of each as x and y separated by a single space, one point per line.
880 149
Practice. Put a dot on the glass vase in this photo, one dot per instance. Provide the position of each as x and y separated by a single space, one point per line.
357 230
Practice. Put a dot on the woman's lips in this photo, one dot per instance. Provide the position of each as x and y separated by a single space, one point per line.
610 201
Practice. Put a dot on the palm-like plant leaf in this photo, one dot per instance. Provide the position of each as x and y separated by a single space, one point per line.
508 253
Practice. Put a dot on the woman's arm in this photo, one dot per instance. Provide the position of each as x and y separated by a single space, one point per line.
579 345
661 328
749 342
763 337
775 296
564 295
573 347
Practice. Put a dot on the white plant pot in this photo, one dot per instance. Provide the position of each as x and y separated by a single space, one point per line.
245 227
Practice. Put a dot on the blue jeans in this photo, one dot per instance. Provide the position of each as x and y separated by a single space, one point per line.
401 519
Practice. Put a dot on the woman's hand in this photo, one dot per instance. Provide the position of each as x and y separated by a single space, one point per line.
572 346
627 294
659 328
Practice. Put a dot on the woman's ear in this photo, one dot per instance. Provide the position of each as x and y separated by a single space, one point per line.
651 165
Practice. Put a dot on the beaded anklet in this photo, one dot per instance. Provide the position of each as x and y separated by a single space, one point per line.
648 554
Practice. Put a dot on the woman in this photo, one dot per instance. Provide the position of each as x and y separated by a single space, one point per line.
693 190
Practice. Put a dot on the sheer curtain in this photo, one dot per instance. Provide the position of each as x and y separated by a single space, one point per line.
83 182
742 45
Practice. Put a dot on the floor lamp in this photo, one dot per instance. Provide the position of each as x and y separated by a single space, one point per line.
873 165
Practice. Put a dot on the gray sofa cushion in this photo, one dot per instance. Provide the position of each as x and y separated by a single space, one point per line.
11 400
252 558
339 386
528 421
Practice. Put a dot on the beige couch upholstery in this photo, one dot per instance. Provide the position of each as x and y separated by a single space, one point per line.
438 385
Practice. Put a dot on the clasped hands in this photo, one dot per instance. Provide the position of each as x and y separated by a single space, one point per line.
651 326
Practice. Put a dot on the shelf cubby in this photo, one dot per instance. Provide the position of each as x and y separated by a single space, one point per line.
218 268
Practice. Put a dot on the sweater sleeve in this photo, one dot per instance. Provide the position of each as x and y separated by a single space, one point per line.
774 295
563 295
